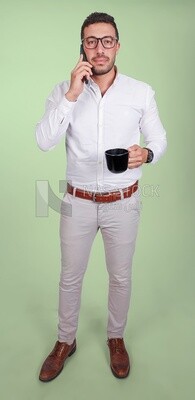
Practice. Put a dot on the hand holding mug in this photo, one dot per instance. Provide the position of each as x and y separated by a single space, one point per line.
137 156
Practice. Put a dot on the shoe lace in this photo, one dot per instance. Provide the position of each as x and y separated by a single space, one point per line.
117 345
57 351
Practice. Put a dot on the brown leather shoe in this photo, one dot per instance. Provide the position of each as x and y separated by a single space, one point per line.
119 359
54 363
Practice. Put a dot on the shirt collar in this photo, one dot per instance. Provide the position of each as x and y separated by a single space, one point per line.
92 84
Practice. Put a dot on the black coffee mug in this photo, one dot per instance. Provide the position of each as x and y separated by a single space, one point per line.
117 160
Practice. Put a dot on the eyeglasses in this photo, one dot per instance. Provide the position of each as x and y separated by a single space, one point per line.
91 42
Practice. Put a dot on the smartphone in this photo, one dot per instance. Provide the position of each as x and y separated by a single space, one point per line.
84 59
82 52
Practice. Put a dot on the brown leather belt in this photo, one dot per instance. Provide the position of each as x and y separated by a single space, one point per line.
103 197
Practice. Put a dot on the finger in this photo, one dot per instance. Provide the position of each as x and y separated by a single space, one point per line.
133 147
134 165
80 62
135 160
83 64
84 75
81 71
84 70
134 154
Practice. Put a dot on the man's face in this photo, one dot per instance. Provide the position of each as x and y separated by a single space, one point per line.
102 59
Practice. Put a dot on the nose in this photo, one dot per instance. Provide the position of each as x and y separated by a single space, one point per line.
100 47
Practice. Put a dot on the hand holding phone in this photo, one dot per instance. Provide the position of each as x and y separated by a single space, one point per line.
84 59
79 75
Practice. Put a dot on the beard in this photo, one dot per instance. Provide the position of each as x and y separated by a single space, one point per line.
102 70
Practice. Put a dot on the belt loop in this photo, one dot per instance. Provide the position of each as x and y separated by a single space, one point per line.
93 197
74 191
122 194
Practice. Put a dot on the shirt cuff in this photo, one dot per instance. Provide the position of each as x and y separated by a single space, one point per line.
64 107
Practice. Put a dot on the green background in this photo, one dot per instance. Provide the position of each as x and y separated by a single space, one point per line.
39 47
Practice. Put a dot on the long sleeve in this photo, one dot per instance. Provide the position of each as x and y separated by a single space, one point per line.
95 123
54 123
152 128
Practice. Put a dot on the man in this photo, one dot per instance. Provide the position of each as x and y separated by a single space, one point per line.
96 110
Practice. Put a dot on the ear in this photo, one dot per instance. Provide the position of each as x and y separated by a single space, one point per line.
117 47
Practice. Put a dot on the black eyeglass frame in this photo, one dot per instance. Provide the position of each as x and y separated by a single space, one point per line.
101 40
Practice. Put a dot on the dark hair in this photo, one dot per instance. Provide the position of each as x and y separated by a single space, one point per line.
99 17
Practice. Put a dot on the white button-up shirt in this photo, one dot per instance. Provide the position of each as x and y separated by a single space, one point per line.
93 124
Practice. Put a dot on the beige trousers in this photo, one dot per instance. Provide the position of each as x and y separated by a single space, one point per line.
80 221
